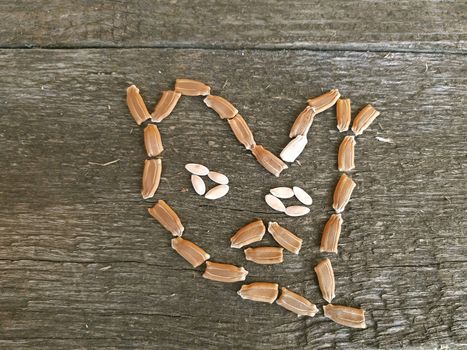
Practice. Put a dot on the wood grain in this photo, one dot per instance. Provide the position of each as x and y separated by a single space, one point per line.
83 265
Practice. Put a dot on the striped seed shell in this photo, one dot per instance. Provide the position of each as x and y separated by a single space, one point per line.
198 184
296 303
274 202
152 140
346 155
282 192
222 107
250 233
265 255
325 274
189 251
343 114
363 119
219 178
331 233
296 210
197 169
302 196
260 291
294 148
165 215
345 315
224 272
136 105
217 192
342 193
165 106
268 160
189 87
324 101
303 122
151 177
241 131
284 237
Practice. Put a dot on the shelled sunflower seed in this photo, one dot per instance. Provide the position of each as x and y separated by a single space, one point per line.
217 192
285 238
296 303
219 178
189 87
198 184
265 255
343 114
345 315
302 124
282 192
242 131
165 105
297 210
294 148
167 217
302 195
152 141
190 251
136 105
151 177
250 233
346 155
364 119
331 233
324 101
221 106
274 202
265 292
197 169
342 193
226 273
325 275
268 160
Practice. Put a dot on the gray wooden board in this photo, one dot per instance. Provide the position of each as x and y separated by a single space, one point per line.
83 265
415 25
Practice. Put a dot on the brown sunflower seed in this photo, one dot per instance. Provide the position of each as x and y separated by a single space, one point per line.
165 106
331 233
190 251
296 303
217 192
165 215
265 255
346 156
282 192
302 196
241 131
324 101
342 193
326 281
260 291
222 107
268 160
188 87
136 105
274 202
303 122
151 177
198 184
343 113
219 178
250 233
152 141
224 272
296 210
197 169
363 119
284 237
345 315
294 148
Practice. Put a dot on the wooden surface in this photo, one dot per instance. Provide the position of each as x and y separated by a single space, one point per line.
83 266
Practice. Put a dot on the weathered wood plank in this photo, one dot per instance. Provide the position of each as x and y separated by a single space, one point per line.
418 25
83 265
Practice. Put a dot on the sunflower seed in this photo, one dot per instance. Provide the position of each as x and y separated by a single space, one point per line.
363 119
197 169
265 255
190 251
224 272
241 131
217 192
343 114
303 122
136 105
163 213
188 87
268 160
198 185
326 281
346 156
296 210
165 106
345 315
274 202
342 193
294 148
302 196
324 101
260 291
219 178
284 237
331 233
151 177
222 107
252 232
296 303
282 192
152 141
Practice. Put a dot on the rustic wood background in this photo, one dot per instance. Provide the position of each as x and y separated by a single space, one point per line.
83 266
